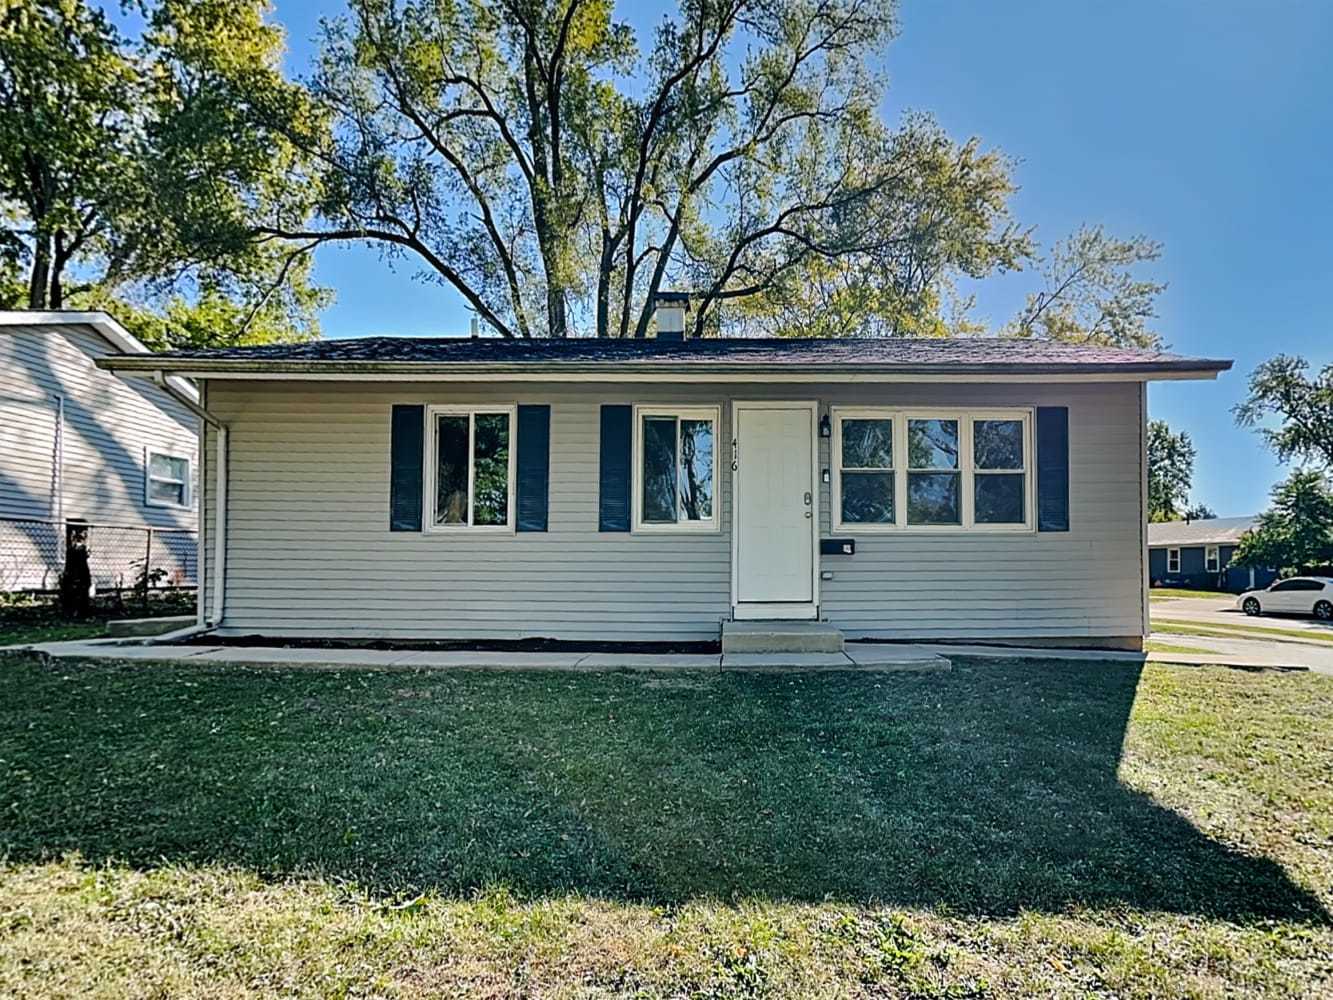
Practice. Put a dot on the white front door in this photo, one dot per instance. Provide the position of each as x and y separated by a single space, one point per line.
775 514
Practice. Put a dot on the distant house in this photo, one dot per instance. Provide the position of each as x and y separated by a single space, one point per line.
662 488
1197 554
82 451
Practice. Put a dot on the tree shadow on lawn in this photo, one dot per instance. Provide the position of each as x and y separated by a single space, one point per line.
987 790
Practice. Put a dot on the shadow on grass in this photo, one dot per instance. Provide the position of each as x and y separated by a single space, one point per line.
987 790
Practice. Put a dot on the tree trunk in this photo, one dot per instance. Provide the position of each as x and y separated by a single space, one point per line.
40 279
604 266
60 258
555 308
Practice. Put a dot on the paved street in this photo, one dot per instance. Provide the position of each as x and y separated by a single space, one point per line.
1298 647
1222 611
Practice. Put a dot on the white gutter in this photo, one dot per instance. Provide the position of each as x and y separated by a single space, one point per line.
166 384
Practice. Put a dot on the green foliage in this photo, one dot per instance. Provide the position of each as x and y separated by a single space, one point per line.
1296 533
529 155
1170 474
67 137
129 169
1304 404
1092 295
945 216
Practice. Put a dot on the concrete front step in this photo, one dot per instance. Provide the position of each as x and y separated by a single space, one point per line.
780 637
878 661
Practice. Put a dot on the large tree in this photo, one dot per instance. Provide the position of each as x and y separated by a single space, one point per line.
1302 403
1092 294
129 169
1171 475
529 155
1296 533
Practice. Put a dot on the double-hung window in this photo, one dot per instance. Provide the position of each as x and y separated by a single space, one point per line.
865 445
470 457
166 480
1212 559
1173 560
675 481
934 471
999 470
905 469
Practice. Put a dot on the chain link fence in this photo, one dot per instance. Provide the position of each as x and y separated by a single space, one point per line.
32 554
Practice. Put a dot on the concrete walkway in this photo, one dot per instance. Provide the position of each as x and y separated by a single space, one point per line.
857 657
861 659
1241 651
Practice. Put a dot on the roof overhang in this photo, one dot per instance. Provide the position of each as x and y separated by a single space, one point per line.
245 369
112 332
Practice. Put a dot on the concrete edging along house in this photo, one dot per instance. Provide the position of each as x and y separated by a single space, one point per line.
1198 554
650 490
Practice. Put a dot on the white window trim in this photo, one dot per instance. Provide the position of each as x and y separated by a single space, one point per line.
471 410
148 478
900 415
713 413
1212 554
1173 554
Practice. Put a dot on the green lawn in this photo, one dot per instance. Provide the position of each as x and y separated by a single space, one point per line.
1226 630
1005 829
1168 593
17 634
1153 646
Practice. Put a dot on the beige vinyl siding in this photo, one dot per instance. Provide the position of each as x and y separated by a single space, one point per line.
310 552
108 425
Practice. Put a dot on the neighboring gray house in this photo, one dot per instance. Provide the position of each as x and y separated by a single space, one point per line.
1197 554
652 489
80 446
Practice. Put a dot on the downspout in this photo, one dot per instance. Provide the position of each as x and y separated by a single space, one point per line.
1145 609
220 518
59 459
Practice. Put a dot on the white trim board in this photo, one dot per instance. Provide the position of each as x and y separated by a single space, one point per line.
624 375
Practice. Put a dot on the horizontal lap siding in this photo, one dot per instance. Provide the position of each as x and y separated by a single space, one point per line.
1086 582
310 551
108 424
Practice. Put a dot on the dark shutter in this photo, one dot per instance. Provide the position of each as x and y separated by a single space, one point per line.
534 466
1052 468
613 499
405 458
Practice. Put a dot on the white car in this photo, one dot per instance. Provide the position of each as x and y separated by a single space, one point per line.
1297 595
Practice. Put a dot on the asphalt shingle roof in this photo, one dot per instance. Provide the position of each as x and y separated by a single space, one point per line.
978 354
1209 531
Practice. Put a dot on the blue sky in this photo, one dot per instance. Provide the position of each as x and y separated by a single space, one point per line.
1207 126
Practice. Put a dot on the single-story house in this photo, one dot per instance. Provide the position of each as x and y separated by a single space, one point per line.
84 451
1197 554
649 490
